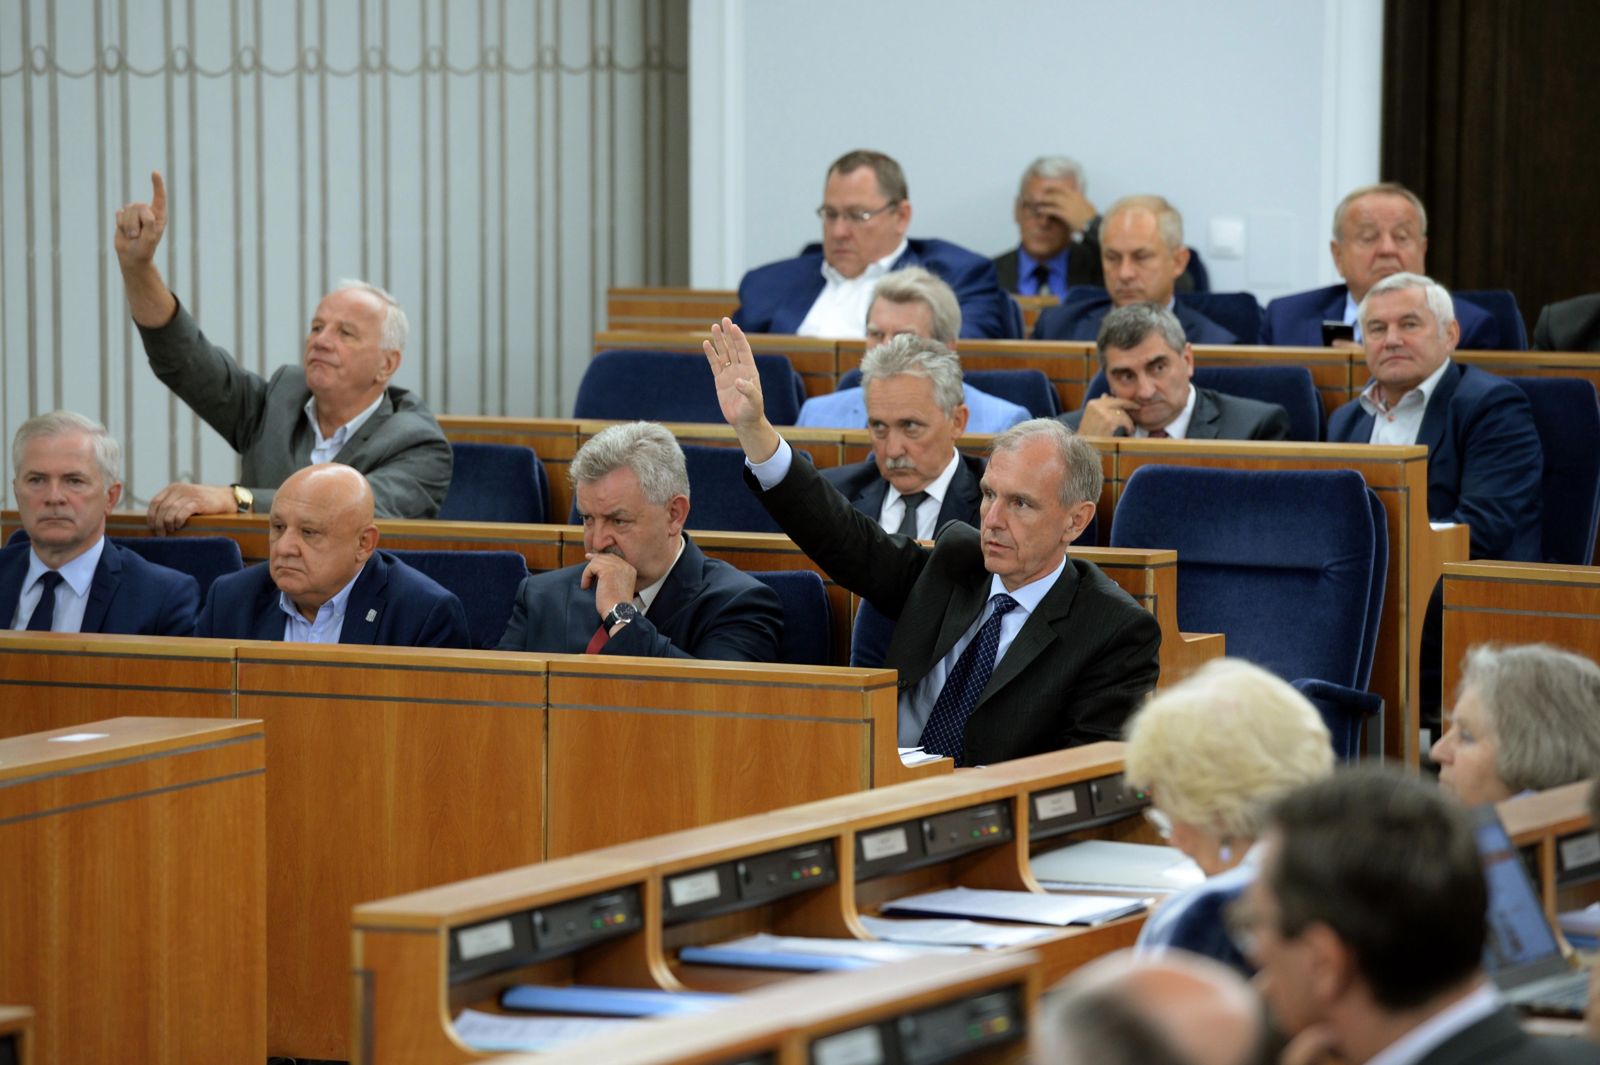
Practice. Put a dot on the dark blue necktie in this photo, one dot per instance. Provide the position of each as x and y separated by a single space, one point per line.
946 730
45 613
1041 277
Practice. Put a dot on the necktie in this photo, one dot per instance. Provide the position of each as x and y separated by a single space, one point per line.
1041 278
946 730
1160 434
908 520
45 613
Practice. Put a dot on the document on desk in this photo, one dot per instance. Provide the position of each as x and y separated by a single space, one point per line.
801 953
1023 906
494 1033
609 1001
952 933
1108 865
917 756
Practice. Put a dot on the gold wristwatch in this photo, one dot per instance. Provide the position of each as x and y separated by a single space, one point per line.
243 499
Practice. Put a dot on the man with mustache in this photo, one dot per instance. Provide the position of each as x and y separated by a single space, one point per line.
645 589
337 406
1005 647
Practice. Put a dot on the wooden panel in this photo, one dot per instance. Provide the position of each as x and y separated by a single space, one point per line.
658 309
1517 602
816 359
134 864
392 770
1069 364
1151 577
1542 820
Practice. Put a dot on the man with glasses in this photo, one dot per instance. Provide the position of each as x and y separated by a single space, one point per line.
826 291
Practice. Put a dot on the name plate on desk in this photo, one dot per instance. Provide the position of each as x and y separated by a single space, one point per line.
1082 805
947 1032
747 882
519 939
925 840
1579 858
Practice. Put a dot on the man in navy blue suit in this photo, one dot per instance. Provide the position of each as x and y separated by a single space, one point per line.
324 580
1378 230
67 577
865 212
1484 459
645 589
1143 255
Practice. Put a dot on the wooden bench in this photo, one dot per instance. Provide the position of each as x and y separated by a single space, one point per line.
1517 602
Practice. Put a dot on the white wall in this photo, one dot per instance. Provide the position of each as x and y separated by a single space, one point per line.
1260 110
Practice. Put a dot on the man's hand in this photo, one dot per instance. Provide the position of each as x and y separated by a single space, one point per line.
1314 1045
1064 202
177 503
140 225
1104 415
733 365
613 578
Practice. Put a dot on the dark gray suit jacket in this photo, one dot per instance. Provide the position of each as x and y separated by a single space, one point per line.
400 448
1082 662
1570 325
1499 1040
865 488
1219 416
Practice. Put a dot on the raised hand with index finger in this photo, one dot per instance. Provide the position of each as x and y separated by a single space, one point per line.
140 225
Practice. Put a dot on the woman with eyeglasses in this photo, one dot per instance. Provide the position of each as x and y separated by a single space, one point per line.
1214 751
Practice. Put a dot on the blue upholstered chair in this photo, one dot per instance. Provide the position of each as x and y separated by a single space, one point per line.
1237 312
807 619
205 558
486 582
869 637
496 482
1026 388
1289 565
1568 416
1501 305
1290 387
667 386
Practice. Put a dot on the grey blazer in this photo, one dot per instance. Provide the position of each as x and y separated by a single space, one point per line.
1218 416
400 448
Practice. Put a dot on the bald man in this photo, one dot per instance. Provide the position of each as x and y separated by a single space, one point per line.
1169 1008
324 580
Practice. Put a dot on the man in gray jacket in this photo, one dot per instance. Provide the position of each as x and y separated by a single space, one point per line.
337 406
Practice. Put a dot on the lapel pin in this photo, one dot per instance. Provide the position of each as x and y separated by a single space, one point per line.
372 615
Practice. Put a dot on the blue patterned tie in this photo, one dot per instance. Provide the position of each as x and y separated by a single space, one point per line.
44 615
946 730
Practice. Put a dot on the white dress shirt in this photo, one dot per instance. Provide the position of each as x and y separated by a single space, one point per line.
1350 316
323 449
894 506
72 594
328 623
647 595
1401 423
840 309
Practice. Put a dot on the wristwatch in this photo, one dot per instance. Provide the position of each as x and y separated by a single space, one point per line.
243 498
621 614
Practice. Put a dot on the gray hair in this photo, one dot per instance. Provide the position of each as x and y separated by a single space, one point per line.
919 357
913 284
649 450
396 328
1127 327
891 179
1438 297
1054 168
1079 458
1543 704
1382 188
107 452
1168 220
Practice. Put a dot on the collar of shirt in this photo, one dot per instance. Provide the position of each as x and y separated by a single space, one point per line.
1029 595
331 445
1178 428
77 575
1027 264
1350 308
1480 1002
645 596
1372 401
326 626
936 489
873 271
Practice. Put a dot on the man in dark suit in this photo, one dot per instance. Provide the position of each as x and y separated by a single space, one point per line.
646 589
1149 368
337 406
916 480
67 577
325 581
1005 647
1368 923
1484 460
826 291
1058 228
1569 325
1378 230
1143 255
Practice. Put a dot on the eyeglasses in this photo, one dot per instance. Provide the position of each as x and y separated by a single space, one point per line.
853 216
1160 822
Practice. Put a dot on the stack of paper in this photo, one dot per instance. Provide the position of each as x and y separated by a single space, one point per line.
1022 906
491 1032
1104 865
801 953
952 934
917 756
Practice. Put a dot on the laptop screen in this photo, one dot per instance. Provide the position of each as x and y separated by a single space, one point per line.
1519 934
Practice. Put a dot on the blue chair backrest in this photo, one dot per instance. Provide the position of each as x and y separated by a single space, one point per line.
807 619
205 558
849 379
496 482
1501 305
870 636
1290 387
668 386
1282 562
486 582
1026 388
1568 416
1237 312
1196 271
718 497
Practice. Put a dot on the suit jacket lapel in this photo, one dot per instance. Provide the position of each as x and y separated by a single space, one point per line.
681 584
368 427
368 597
1038 632
870 499
966 602
1203 422
107 577
961 499
1431 432
1334 311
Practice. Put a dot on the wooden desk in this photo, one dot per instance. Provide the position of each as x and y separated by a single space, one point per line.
661 308
1517 602
132 898
1556 826
816 359
16 1035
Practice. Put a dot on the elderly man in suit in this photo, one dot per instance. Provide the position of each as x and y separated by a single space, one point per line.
866 213
67 577
1005 647
1058 244
1143 255
1378 230
645 589
1149 368
324 580
337 406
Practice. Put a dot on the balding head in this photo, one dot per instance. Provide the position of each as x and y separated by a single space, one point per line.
1165 1009
320 533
